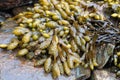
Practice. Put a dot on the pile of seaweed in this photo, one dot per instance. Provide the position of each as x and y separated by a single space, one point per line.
62 35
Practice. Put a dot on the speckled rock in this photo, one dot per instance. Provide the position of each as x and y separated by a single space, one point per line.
104 75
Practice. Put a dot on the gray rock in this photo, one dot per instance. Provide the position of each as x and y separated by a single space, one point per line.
103 75
12 68
8 26
104 51
82 73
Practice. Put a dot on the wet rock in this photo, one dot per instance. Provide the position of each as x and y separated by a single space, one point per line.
82 73
104 51
6 31
8 26
7 4
6 37
2 18
103 75
18 10
12 68
5 14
